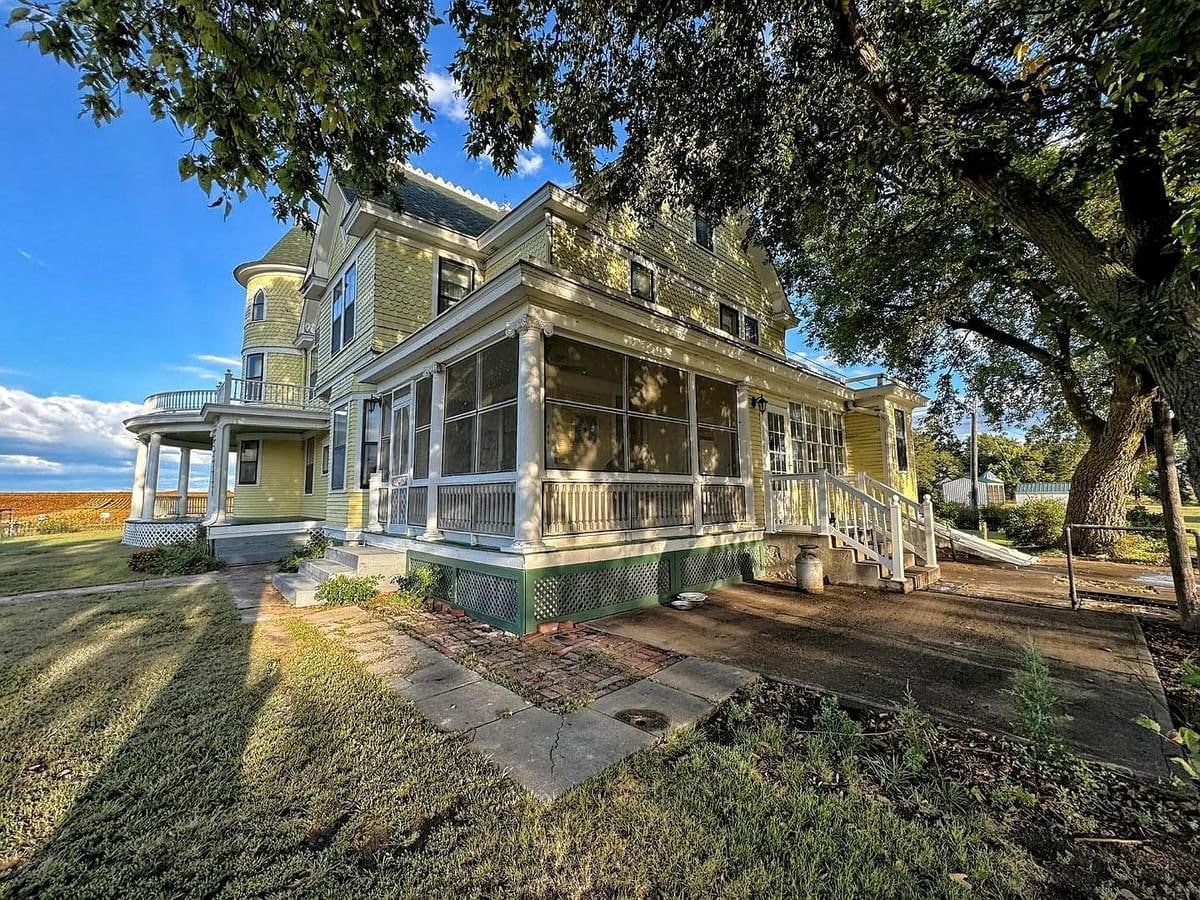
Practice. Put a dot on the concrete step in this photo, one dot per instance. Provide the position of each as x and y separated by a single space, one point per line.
320 570
370 560
297 589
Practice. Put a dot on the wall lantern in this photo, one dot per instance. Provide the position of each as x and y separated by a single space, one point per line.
759 403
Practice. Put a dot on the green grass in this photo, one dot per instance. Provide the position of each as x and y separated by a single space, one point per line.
1191 513
52 561
149 746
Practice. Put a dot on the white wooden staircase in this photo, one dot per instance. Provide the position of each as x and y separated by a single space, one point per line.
300 588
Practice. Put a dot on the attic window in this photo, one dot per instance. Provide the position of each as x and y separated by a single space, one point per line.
729 320
704 233
641 280
258 306
750 329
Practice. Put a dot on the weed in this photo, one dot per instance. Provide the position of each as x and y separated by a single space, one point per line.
347 590
191 558
917 730
1039 708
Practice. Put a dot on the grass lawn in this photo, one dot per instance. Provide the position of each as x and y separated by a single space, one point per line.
1191 513
46 562
150 746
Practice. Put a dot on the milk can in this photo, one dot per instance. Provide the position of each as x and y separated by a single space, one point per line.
810 574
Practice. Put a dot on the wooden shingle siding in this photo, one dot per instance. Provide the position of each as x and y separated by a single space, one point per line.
284 304
285 368
403 290
280 481
536 245
686 273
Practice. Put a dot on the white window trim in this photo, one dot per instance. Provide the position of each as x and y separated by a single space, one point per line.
257 464
438 256
743 312
253 298
349 401
304 465
712 251
245 367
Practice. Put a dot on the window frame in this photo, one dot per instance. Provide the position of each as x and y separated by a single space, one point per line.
442 259
343 319
326 454
746 320
733 429
722 307
380 406
310 465
634 265
899 423
816 439
343 412
258 306
478 411
711 245
242 445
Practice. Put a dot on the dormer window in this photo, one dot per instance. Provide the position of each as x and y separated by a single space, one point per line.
641 280
455 281
258 306
704 233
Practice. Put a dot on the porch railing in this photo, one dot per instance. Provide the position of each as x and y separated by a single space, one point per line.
722 504
165 506
269 393
179 401
588 507
873 518
481 508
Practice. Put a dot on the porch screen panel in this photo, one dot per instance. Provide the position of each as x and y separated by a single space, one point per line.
480 432
423 418
716 430
776 448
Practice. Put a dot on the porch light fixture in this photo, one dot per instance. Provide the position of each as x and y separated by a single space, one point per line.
759 403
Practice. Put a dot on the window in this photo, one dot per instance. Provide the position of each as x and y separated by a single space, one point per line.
641 280
750 329
325 457
818 440
374 413
716 428
901 440
252 374
704 233
776 444
480 433
607 412
310 459
455 281
728 320
341 421
424 408
248 462
345 292
312 369
258 306
401 411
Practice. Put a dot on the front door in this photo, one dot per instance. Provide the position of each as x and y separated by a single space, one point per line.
401 425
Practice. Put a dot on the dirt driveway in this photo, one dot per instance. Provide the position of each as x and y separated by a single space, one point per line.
957 653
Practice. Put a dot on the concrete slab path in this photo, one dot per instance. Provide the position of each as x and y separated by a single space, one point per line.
958 655
117 588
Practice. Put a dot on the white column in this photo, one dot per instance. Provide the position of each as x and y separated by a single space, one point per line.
531 429
437 415
185 471
138 492
930 533
694 454
218 484
745 461
152 455
896 527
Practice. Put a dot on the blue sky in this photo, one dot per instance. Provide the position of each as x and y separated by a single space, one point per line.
117 276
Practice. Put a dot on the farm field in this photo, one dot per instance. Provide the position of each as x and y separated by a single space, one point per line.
31 512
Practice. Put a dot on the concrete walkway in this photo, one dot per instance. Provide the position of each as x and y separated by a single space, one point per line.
957 654
117 588
549 753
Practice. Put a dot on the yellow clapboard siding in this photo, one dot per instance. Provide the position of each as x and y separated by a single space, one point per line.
280 479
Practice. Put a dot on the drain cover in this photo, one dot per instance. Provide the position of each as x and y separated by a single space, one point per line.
646 719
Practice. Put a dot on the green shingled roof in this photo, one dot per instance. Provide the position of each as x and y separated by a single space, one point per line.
292 249
438 204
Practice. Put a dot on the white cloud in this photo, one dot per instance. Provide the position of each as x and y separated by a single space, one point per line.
444 96
31 258
65 422
212 360
28 464
541 137
529 164
197 372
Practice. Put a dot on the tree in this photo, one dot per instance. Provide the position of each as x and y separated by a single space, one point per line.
934 461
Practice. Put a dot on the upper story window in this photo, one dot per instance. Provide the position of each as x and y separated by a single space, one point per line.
750 329
455 281
258 306
252 375
901 440
704 233
345 292
729 320
481 412
641 280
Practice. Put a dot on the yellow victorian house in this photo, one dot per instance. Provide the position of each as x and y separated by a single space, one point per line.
565 411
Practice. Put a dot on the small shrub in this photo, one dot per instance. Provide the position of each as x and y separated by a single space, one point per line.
1040 717
347 590
918 732
191 558
1037 524
1141 548
422 580
55 526
1141 517
317 544
996 516
833 727
958 515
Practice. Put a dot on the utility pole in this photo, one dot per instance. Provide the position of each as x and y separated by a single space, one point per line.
975 455
1177 545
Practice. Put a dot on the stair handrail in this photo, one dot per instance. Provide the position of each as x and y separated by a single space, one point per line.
860 532
919 515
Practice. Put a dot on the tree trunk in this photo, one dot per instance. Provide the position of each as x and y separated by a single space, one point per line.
1104 476
1177 542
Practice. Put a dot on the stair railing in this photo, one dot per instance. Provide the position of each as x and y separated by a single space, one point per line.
919 525
865 523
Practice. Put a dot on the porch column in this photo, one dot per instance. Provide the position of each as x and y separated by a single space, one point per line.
151 493
138 492
531 429
181 490
694 457
218 483
745 461
437 415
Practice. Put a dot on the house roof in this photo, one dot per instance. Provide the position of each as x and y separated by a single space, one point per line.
438 201
1044 487
291 249
990 478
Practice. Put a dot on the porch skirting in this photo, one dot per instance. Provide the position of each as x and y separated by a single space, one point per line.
152 533
520 592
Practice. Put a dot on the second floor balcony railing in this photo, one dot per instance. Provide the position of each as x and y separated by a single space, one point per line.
236 391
